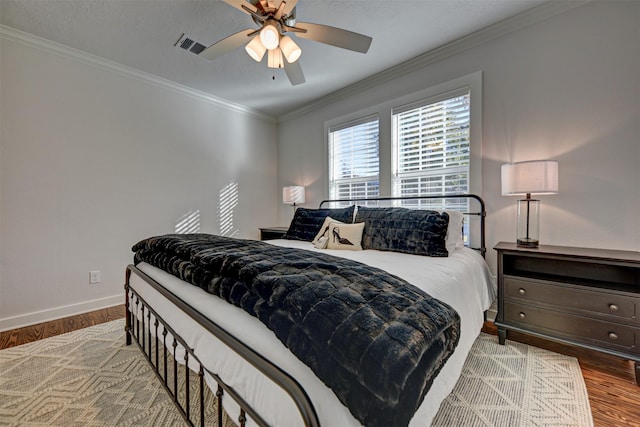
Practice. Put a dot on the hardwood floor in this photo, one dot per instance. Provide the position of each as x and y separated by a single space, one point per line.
56 327
613 393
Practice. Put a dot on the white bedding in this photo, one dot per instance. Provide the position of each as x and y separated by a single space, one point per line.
462 280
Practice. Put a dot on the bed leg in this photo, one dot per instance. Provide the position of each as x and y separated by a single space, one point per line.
128 337
502 335
219 394
127 312
637 366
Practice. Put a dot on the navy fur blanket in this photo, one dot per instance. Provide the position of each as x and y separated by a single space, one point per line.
377 341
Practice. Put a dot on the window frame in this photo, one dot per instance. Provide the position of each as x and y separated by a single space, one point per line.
330 160
396 175
384 109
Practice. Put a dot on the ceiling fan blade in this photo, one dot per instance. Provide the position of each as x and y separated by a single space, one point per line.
228 44
334 36
289 5
294 72
238 4
280 11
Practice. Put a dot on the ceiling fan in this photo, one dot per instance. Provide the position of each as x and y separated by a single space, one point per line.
276 18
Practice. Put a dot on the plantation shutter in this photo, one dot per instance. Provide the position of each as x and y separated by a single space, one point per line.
354 159
431 148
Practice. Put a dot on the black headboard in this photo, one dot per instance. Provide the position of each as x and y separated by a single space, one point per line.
480 212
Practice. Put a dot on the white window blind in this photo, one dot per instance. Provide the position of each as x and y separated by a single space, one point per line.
431 149
354 159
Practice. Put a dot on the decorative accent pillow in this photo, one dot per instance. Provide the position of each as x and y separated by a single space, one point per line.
307 222
322 238
418 232
345 236
454 238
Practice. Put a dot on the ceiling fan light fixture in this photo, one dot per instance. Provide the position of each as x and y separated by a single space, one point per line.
255 49
274 58
290 49
270 36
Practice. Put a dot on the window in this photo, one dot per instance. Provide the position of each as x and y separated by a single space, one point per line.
431 150
354 159
424 143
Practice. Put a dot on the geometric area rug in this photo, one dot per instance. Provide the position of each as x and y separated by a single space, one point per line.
90 377
516 385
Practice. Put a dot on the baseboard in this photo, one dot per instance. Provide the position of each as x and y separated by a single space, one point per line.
59 312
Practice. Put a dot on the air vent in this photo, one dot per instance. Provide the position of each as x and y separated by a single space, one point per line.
187 43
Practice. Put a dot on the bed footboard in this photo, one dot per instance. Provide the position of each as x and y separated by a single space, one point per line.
190 394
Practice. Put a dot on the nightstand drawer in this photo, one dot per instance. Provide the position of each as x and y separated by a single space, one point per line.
577 328
611 304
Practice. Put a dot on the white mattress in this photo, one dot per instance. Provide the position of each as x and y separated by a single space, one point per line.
462 280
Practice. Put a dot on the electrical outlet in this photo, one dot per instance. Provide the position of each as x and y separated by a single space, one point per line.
94 277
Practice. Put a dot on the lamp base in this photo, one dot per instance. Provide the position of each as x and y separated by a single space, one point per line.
528 220
527 243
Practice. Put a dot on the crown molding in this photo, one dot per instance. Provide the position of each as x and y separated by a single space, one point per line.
35 42
492 32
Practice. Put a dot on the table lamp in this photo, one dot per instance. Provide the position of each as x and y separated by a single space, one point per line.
532 177
293 195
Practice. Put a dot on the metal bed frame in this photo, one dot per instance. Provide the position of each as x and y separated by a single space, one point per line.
161 355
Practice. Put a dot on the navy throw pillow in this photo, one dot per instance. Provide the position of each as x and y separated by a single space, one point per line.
307 222
417 232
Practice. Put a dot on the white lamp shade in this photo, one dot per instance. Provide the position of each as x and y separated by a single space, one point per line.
290 49
255 49
270 36
293 195
533 177
274 58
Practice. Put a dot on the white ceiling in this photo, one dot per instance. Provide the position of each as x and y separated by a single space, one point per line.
141 34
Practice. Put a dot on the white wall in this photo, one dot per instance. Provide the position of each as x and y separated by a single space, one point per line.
566 88
94 159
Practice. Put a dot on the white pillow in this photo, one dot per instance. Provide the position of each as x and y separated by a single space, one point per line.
454 231
345 236
322 238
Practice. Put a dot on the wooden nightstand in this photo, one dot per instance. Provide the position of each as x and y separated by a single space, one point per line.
585 297
270 233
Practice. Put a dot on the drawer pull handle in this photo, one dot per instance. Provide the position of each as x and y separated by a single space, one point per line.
522 315
613 307
521 291
613 336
